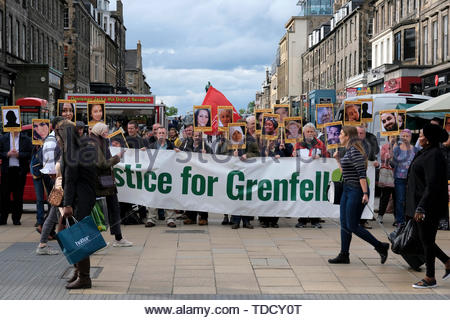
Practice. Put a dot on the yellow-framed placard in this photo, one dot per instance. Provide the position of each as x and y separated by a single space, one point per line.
332 132
352 113
202 118
366 110
389 123
224 117
41 130
258 116
283 110
11 119
237 133
293 127
271 126
401 119
96 112
117 139
324 114
67 109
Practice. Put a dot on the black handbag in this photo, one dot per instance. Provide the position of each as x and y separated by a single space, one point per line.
406 239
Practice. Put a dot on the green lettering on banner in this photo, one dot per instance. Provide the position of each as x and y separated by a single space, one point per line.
326 180
138 176
211 181
230 185
294 181
185 175
119 180
249 190
198 185
150 187
164 178
276 191
129 173
305 186
318 188
263 186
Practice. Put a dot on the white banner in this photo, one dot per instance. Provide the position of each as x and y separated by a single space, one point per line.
285 187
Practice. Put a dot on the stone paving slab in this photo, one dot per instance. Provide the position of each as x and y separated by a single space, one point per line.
216 263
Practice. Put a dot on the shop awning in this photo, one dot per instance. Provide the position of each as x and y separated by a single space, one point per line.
438 104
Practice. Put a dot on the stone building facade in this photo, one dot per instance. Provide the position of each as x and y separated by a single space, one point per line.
338 55
32 44
134 73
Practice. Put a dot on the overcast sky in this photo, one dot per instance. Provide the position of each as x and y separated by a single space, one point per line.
187 43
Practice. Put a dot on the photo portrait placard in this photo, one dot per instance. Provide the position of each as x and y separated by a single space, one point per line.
224 117
259 118
389 123
67 109
324 114
237 132
96 112
11 119
352 113
202 118
271 126
332 132
293 127
41 130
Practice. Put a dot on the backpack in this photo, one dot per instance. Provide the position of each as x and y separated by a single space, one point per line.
36 164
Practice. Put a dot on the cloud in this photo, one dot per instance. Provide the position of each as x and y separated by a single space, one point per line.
185 88
188 43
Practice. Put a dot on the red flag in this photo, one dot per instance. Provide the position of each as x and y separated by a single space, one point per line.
215 98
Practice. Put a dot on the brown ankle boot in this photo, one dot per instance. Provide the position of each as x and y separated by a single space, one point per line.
74 275
84 279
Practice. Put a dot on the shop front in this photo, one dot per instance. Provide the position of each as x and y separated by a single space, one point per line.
436 84
404 85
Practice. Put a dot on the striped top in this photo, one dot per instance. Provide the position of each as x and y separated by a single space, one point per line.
353 166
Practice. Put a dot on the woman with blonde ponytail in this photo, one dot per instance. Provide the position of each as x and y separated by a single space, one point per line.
354 197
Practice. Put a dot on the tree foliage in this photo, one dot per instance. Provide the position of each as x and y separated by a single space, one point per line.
251 107
171 111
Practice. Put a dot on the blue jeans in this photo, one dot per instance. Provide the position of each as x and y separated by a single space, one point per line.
400 198
39 189
237 219
351 211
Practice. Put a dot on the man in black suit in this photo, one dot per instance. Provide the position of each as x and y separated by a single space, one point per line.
15 155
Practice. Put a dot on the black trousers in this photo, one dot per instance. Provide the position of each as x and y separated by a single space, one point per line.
386 193
112 202
268 220
12 183
427 234
193 215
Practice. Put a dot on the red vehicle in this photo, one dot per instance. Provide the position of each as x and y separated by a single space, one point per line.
32 108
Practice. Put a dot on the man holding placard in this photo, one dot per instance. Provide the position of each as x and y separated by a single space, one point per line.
15 153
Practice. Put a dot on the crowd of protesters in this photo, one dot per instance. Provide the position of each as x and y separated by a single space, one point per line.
83 183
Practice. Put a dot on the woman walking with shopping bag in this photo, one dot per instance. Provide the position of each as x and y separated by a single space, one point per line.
79 176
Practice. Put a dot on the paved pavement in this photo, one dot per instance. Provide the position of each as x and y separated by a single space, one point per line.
215 262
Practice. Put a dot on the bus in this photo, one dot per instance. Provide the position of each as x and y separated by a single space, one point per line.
32 108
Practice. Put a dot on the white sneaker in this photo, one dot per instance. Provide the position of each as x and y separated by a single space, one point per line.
46 251
122 243
380 219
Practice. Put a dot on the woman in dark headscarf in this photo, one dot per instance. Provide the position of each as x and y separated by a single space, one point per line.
427 198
